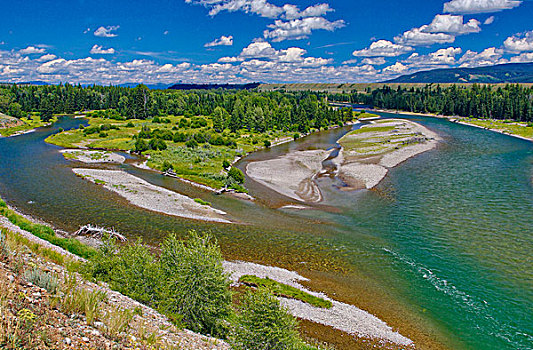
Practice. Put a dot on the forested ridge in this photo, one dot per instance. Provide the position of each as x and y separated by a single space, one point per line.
512 101
234 110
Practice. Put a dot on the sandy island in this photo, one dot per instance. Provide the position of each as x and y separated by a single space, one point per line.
151 197
291 174
369 152
364 159
90 156
341 316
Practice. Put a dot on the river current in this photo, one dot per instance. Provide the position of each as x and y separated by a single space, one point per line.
441 250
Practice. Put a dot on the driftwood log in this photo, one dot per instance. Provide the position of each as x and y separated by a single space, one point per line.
99 232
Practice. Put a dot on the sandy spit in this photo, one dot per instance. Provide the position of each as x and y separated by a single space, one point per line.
88 156
151 197
291 174
341 316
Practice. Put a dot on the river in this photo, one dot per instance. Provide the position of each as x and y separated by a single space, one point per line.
441 250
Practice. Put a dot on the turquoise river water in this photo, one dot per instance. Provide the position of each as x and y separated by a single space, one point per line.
446 238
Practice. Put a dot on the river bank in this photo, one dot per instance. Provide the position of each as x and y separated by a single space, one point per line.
487 124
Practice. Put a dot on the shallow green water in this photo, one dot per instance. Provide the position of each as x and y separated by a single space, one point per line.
449 233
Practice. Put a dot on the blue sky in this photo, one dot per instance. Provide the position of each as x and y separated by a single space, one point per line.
113 42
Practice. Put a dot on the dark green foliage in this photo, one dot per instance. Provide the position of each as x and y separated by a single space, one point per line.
157 144
145 133
236 174
163 134
180 137
263 324
509 102
102 134
225 164
191 143
91 130
141 145
235 110
196 285
267 143
130 125
296 136
167 166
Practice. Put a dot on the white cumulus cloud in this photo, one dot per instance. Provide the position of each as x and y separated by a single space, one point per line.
299 28
47 57
523 58
489 20
222 41
421 37
106 32
453 25
519 42
479 6
32 50
99 50
487 57
383 48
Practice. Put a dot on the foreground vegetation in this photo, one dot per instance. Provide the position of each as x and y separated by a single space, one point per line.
44 304
186 282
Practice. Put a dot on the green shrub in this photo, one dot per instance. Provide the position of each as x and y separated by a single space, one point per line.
236 174
157 144
191 143
135 273
267 143
196 286
141 145
225 164
167 166
263 324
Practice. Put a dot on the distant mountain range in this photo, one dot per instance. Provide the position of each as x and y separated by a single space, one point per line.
502 73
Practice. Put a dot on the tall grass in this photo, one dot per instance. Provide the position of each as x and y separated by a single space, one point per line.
44 232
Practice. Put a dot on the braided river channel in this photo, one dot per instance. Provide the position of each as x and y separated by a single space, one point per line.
441 250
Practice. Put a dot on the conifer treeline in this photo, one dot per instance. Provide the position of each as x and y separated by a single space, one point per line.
511 101
259 111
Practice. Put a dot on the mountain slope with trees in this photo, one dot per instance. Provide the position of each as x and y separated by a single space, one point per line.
503 73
